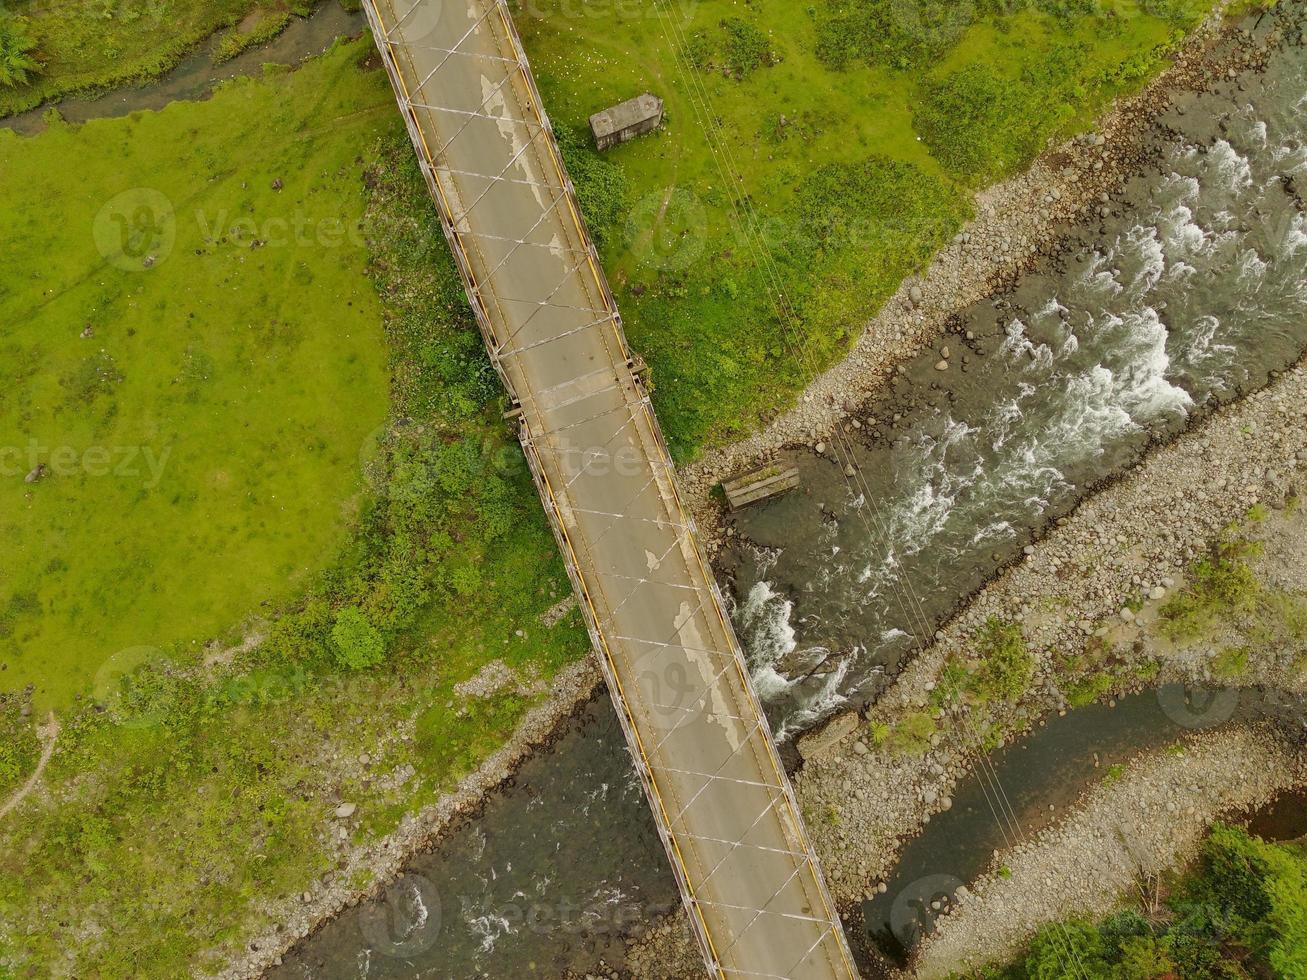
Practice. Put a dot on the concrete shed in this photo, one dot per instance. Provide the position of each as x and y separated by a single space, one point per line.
623 122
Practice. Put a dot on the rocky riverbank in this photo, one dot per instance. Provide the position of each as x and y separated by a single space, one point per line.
1087 600
1151 818
1017 222
384 859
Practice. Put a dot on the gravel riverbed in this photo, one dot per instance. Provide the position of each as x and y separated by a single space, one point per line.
1151 818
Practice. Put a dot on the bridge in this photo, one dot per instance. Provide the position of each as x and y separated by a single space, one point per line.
724 809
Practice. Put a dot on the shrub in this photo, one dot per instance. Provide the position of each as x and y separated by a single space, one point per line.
911 736
1221 584
356 642
1230 662
17 61
747 48
1007 665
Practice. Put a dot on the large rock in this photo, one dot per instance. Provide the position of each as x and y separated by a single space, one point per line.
820 741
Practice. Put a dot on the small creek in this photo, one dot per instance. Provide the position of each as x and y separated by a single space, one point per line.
196 74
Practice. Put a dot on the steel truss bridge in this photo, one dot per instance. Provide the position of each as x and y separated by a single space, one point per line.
701 744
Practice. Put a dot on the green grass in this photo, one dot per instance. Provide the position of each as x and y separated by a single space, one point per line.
448 560
199 405
848 166
87 46
1220 585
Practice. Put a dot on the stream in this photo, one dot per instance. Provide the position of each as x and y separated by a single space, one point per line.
1039 775
196 74
1191 290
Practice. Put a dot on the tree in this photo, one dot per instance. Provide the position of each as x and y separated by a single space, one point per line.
16 59
357 643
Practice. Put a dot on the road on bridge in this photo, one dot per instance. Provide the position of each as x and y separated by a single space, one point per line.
724 808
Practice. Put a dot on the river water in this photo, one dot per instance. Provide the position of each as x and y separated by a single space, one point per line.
1190 291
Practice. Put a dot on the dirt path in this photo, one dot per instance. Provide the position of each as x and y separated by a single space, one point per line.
49 734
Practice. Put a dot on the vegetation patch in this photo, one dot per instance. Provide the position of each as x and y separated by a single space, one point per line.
19 747
1241 913
1001 671
447 560
1220 585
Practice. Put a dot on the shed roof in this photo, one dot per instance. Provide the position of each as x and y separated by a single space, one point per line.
626 114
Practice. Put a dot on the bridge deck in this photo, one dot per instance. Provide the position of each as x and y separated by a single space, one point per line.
700 742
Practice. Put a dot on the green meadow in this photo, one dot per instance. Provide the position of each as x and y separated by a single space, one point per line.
192 363
846 137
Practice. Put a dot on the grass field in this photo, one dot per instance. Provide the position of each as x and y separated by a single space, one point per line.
192 794
854 161
193 357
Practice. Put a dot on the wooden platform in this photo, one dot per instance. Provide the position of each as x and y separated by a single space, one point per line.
770 481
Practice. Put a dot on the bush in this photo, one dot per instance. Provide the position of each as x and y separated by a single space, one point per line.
747 48
17 61
1007 665
355 641
1220 584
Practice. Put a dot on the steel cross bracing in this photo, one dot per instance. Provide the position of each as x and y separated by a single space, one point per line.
723 806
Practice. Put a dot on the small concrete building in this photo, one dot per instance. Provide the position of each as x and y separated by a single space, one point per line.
632 118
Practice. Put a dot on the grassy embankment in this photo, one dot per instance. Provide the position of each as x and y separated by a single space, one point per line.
1242 912
195 793
857 132
449 563
85 46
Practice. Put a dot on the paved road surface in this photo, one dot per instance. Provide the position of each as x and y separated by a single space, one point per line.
702 747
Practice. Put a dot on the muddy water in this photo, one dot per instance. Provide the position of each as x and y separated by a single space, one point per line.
196 75
1192 290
